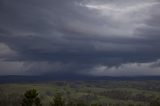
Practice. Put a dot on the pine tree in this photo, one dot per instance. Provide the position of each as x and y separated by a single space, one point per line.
31 98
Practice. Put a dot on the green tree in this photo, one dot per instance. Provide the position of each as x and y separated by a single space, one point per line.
58 100
31 98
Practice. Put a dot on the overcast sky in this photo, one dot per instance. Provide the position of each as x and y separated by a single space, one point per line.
82 37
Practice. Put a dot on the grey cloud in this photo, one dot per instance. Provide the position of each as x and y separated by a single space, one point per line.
69 36
129 69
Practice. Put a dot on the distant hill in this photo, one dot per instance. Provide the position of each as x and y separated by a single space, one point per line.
25 79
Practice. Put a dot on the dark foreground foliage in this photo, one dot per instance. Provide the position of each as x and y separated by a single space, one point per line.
32 98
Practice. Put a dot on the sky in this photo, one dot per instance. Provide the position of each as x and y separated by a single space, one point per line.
81 37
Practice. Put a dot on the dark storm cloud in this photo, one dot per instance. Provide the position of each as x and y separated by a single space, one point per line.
71 36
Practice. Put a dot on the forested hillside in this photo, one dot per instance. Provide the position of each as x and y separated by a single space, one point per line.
81 93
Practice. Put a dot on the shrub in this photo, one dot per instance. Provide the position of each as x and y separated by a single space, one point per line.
58 100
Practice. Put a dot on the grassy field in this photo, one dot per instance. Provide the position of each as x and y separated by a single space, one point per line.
124 92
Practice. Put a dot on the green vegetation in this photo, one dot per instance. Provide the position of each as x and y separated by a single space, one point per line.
81 93
155 102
